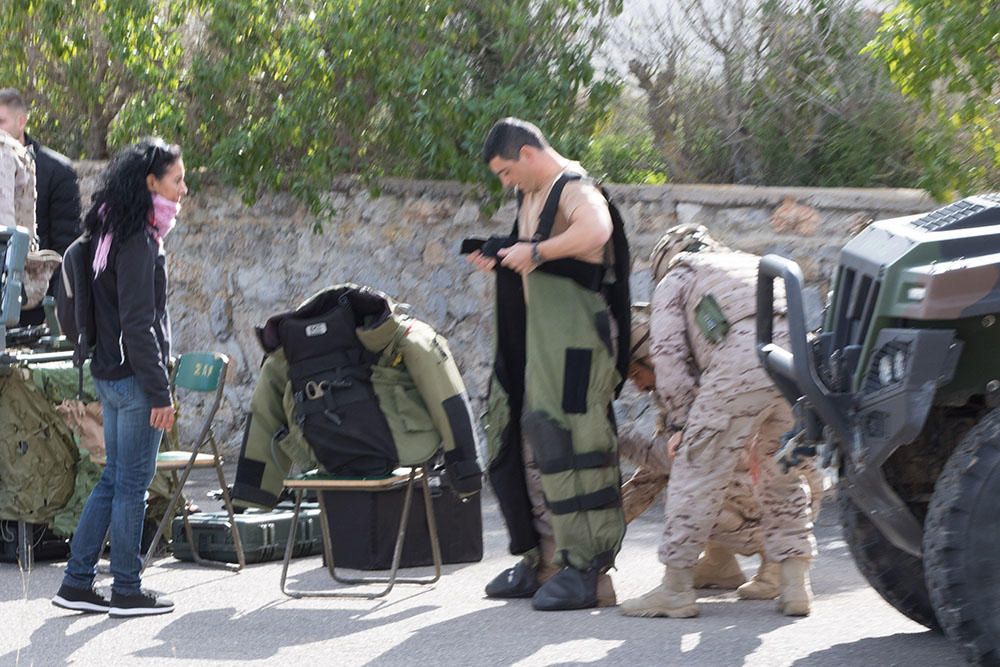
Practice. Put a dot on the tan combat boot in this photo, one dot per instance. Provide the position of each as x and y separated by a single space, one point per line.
764 585
641 491
674 598
796 592
717 568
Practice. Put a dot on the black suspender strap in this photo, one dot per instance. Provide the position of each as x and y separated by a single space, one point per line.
598 500
548 215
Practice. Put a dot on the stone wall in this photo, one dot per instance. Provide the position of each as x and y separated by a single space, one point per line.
231 266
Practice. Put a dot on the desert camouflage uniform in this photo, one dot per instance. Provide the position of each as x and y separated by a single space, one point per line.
17 208
737 527
17 186
730 413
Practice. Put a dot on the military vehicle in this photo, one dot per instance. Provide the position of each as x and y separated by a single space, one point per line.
898 391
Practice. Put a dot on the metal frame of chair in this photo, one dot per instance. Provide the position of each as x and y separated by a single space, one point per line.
203 372
303 484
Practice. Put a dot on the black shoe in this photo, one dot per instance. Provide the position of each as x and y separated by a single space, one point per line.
81 599
146 603
569 588
520 581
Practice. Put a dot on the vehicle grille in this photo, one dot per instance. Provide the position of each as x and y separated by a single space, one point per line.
856 296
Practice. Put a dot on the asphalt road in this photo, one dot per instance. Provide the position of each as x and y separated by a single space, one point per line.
227 619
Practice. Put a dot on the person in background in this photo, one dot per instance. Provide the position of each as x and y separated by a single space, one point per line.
17 185
737 529
57 216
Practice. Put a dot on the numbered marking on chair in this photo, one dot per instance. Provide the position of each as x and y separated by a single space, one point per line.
204 370
200 372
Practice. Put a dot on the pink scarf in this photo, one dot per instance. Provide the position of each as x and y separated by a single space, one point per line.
163 217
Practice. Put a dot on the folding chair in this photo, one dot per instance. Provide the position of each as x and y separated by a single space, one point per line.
203 372
312 481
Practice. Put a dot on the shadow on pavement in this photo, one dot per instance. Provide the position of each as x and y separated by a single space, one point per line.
932 648
208 635
263 632
512 632
57 641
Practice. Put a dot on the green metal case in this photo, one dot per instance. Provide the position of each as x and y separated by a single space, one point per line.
264 534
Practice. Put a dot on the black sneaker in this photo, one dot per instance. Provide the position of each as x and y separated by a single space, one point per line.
81 599
146 603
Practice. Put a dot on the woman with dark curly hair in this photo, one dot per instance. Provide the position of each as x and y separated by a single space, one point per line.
133 210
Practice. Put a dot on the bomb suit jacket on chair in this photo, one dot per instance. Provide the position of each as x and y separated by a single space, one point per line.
354 384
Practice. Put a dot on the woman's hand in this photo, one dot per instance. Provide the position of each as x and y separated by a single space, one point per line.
162 418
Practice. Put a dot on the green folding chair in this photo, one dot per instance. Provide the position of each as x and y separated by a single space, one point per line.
205 373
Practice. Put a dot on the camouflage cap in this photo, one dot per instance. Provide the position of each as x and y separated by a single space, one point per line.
639 346
682 238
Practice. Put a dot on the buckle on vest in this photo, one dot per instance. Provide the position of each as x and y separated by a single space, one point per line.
315 389
320 389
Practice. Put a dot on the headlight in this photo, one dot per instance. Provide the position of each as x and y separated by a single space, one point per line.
885 370
898 365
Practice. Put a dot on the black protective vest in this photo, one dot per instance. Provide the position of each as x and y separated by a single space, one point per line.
335 403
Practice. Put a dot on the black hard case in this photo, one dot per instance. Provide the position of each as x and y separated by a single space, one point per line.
363 527
46 545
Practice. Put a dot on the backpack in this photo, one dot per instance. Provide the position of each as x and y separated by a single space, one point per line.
75 300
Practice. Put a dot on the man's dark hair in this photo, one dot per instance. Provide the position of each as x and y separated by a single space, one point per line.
9 97
508 135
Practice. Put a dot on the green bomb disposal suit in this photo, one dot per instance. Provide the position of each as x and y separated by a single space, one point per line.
353 384
559 363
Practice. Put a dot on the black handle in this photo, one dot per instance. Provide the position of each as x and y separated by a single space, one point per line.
792 372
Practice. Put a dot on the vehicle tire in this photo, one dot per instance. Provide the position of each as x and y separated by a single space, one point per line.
962 544
896 575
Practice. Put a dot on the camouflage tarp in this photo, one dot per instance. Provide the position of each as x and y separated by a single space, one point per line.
87 473
38 454
60 381
52 485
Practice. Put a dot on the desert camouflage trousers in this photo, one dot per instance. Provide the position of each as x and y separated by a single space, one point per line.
737 528
726 436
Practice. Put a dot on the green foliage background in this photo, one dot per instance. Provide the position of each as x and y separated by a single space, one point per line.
285 94
946 55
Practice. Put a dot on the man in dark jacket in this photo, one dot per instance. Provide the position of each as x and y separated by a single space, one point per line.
57 211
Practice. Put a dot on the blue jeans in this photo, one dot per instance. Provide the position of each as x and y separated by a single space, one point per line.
119 499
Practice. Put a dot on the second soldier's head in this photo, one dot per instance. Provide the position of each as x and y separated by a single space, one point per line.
678 239
640 368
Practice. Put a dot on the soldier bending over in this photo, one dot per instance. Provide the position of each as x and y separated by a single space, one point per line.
721 407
